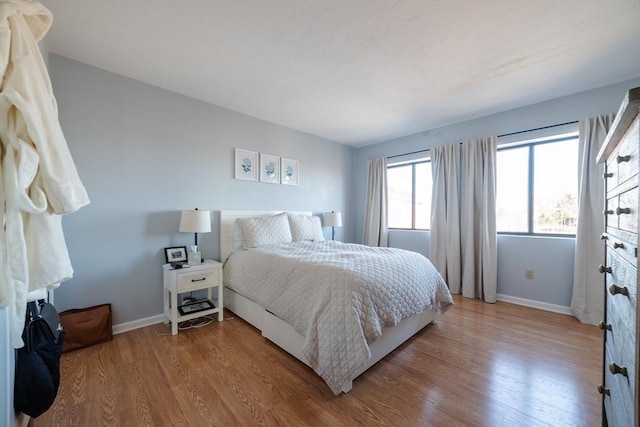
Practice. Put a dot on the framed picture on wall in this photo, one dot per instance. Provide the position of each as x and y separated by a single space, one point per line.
246 165
269 168
289 172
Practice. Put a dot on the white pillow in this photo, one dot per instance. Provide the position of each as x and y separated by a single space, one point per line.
268 230
305 227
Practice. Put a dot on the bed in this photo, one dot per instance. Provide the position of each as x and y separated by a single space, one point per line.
325 302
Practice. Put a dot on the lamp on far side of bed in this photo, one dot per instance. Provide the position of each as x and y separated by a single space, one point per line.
333 219
195 221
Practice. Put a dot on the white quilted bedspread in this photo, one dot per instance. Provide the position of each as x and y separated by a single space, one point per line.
338 296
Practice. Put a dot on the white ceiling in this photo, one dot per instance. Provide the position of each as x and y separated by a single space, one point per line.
357 72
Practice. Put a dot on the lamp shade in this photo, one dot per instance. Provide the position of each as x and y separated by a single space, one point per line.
195 221
333 219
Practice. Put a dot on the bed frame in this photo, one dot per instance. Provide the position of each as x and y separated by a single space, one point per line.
280 332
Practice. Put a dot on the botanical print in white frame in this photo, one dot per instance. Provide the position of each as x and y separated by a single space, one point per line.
269 168
246 165
289 172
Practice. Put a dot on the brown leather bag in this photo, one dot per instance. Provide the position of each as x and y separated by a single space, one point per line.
86 326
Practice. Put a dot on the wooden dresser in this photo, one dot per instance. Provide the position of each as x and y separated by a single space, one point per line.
621 324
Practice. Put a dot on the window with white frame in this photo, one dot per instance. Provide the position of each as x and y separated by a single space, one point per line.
537 186
536 194
409 195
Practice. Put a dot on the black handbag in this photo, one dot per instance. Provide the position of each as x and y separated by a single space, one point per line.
38 362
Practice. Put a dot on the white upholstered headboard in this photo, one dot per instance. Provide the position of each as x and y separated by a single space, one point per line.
230 235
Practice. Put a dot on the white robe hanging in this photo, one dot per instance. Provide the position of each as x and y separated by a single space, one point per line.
38 179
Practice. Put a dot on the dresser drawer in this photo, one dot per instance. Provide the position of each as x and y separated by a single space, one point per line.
623 275
623 244
622 211
628 202
619 403
195 280
621 339
621 314
626 156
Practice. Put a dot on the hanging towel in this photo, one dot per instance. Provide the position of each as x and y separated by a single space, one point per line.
38 179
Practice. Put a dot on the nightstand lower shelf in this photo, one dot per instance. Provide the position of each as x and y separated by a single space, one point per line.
179 318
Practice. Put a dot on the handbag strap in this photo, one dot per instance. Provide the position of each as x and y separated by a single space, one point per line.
45 315
32 310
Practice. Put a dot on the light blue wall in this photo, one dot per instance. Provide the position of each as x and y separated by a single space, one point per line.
551 258
144 154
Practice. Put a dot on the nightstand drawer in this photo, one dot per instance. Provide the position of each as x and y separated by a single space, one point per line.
195 280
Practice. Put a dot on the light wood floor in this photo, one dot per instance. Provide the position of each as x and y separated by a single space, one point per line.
480 365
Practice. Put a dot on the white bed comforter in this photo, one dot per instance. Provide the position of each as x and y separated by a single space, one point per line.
338 296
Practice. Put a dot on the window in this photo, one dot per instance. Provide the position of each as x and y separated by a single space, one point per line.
409 195
537 187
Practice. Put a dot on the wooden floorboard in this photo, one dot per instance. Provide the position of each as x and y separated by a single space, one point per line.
479 365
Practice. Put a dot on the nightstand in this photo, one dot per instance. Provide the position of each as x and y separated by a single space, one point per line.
207 275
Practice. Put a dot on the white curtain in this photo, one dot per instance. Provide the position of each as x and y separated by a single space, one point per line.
376 232
587 300
444 248
463 217
478 234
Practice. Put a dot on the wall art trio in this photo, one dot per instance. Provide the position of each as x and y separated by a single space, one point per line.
270 169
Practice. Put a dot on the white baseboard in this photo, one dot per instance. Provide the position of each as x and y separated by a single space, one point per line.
535 304
136 324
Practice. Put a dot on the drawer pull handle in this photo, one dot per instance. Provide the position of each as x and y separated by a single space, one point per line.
603 269
604 236
617 245
198 280
615 289
617 369
602 325
603 390
620 211
608 175
608 212
622 159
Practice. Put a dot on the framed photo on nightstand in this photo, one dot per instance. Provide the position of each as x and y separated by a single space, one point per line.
176 254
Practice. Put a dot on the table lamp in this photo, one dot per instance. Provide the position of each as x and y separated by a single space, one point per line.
195 221
333 219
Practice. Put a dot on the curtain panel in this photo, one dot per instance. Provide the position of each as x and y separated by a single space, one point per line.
376 232
478 233
444 250
463 217
587 299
